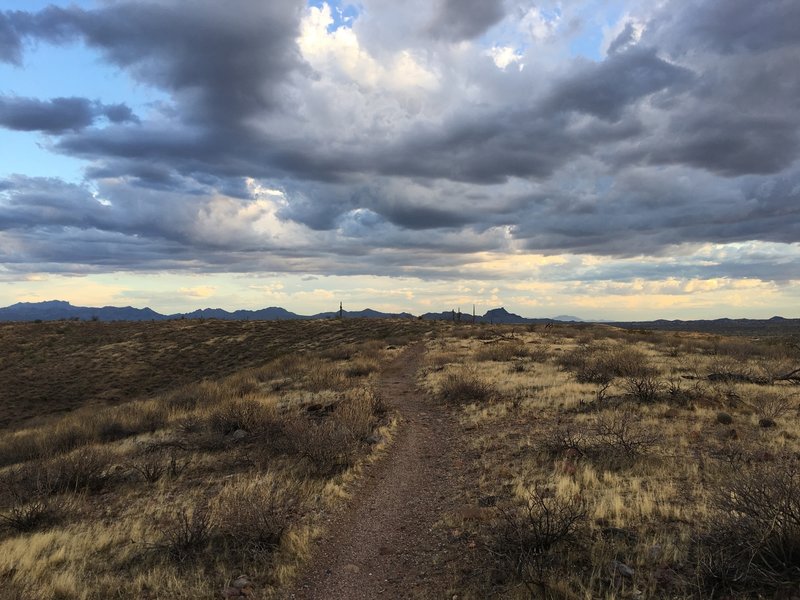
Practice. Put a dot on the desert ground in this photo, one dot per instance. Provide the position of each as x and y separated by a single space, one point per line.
360 458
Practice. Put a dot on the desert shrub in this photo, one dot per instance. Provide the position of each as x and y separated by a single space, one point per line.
361 367
464 387
189 397
18 447
601 364
645 386
539 354
622 438
502 351
340 352
249 414
157 460
753 541
329 447
242 384
530 540
724 418
253 514
186 533
728 369
769 404
85 469
325 377
679 393
438 360
358 412
23 509
563 439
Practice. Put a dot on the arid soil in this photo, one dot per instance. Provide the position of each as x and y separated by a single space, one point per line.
390 540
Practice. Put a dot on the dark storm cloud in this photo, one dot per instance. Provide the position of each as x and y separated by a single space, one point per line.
224 60
10 43
460 20
606 89
647 212
59 114
689 134
729 144
731 26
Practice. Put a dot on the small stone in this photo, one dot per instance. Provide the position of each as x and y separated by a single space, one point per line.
241 581
352 569
374 439
622 569
239 434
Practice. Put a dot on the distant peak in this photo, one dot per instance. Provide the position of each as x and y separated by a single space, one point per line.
46 303
498 311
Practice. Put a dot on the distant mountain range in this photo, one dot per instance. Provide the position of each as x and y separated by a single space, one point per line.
54 310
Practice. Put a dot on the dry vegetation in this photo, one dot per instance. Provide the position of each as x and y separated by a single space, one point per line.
602 463
619 464
257 430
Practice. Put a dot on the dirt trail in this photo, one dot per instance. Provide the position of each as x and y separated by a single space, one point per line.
385 543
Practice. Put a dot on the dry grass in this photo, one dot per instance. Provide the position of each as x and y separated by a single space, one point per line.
618 433
173 494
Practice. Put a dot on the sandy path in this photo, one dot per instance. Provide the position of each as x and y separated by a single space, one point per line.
385 543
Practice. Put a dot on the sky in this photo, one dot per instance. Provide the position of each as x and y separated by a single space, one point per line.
616 159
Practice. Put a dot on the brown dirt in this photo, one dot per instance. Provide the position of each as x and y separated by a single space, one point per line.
390 541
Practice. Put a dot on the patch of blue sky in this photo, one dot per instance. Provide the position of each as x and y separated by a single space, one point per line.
343 13
596 18
26 153
50 71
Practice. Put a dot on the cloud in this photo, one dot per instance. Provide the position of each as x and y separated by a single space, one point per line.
59 114
397 146
10 43
459 20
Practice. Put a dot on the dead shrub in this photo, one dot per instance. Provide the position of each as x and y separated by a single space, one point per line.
190 397
86 469
24 510
253 514
645 386
156 461
562 440
502 351
359 411
622 438
464 387
325 377
340 352
601 364
532 539
186 533
753 541
329 447
361 367
249 414
769 404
